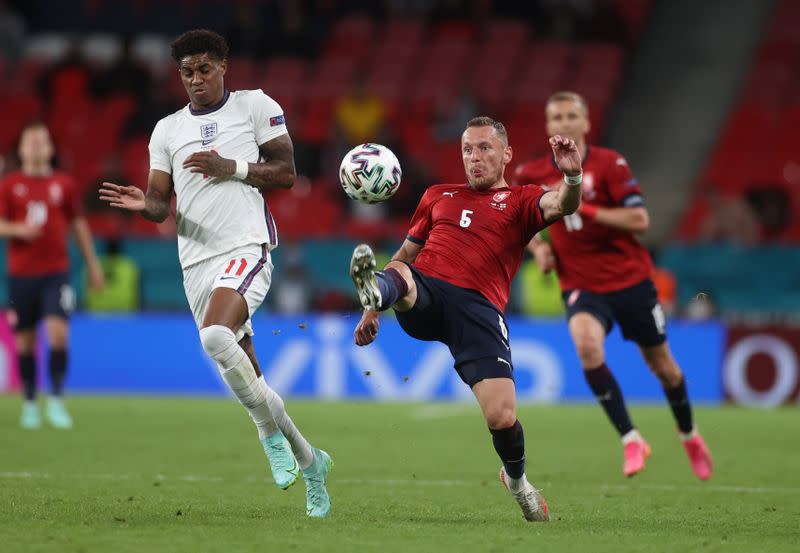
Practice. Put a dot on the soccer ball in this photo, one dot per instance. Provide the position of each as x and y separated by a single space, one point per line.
370 173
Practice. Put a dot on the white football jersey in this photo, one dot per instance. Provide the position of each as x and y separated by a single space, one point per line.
218 214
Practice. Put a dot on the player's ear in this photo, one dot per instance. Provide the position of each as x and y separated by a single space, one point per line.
223 66
508 153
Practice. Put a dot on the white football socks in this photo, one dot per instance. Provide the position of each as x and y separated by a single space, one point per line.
686 436
238 372
632 436
265 407
300 446
516 485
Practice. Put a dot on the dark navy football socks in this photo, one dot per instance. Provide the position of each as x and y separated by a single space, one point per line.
608 393
678 400
58 370
392 286
510 446
27 375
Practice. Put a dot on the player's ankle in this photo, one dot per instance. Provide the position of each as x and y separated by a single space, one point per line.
516 485
686 436
632 435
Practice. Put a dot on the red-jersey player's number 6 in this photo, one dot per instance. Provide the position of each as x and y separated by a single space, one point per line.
465 220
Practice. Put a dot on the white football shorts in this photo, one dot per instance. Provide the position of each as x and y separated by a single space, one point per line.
247 269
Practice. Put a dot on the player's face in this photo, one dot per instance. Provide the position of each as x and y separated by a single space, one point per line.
567 118
202 77
35 146
485 156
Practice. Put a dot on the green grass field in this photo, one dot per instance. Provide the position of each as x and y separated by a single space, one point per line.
188 475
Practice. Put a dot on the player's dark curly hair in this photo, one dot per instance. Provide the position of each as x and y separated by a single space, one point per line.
484 121
199 41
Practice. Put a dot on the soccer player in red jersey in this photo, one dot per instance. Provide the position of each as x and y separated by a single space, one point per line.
38 206
450 280
605 277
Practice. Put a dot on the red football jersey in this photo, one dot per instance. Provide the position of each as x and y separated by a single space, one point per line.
50 202
475 239
591 256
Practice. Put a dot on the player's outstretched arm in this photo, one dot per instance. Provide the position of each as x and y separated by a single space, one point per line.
629 219
367 328
568 197
153 206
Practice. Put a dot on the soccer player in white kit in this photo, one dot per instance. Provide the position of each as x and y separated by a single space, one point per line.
218 154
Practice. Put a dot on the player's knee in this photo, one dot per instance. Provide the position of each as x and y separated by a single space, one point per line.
216 340
26 342
590 350
500 416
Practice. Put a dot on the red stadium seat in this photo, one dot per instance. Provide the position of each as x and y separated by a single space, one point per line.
404 31
136 161
304 213
350 37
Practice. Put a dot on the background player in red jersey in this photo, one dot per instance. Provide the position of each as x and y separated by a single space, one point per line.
37 208
450 280
605 277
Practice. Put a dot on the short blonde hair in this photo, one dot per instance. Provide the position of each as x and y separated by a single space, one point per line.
569 96
484 121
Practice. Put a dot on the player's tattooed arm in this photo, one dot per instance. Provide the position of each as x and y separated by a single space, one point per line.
158 196
153 206
277 170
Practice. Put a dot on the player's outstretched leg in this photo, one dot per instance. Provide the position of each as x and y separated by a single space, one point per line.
314 463
377 290
660 360
238 372
588 334
496 398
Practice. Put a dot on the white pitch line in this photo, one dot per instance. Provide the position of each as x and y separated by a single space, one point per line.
441 411
401 482
700 488
411 482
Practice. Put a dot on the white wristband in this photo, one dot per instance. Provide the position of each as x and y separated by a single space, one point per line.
242 168
573 181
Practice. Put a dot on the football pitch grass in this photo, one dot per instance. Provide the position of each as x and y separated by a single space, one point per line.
180 474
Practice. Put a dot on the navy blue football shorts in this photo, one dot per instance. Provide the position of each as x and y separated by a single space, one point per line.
635 309
35 297
463 320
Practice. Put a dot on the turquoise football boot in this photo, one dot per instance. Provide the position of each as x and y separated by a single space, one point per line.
57 414
30 419
282 463
318 502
